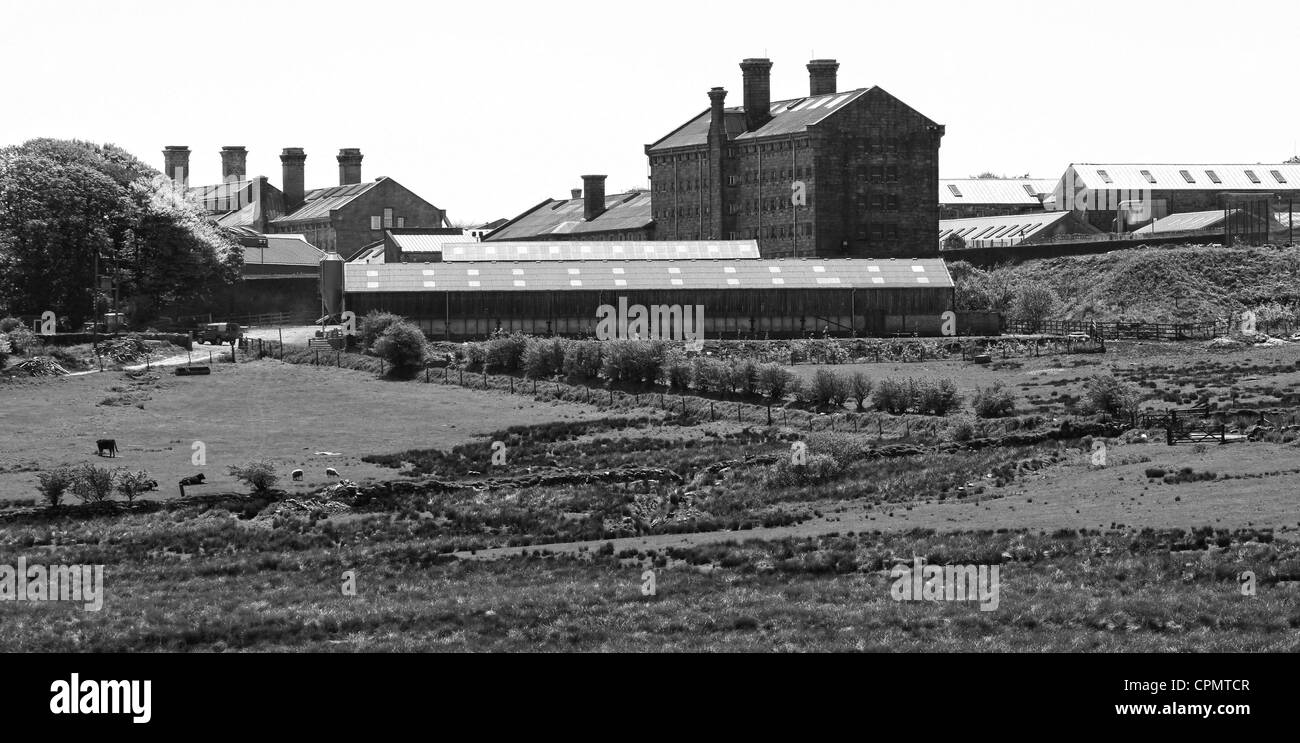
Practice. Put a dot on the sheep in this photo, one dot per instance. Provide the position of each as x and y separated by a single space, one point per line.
296 475
331 472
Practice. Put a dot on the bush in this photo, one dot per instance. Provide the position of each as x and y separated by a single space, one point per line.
859 388
582 360
744 376
24 342
775 380
505 353
826 387
131 484
937 397
401 345
9 323
893 396
963 431
54 484
994 402
92 484
1034 303
710 374
1107 395
543 359
1154 472
259 475
676 371
374 324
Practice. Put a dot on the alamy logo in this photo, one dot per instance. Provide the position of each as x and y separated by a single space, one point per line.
80 583
91 697
661 322
921 582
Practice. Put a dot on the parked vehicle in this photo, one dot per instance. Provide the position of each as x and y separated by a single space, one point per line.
218 333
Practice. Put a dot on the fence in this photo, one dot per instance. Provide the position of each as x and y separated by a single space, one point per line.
1124 330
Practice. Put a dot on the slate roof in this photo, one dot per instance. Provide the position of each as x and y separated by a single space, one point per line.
623 212
319 202
565 250
1103 176
1009 191
788 116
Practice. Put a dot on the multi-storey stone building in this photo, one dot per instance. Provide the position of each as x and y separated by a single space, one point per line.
852 174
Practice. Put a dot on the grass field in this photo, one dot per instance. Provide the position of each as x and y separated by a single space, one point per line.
748 553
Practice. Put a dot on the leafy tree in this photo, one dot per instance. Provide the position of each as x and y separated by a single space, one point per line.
1034 303
401 345
54 484
132 484
258 475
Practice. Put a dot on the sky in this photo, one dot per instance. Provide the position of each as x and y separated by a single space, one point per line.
486 108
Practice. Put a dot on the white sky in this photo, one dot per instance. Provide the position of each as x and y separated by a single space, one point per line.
485 108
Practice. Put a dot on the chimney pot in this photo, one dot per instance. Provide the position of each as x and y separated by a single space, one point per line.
758 92
575 193
349 166
176 163
821 76
234 163
594 200
293 164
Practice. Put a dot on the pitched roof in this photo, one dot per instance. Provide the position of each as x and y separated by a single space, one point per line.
788 116
566 250
1206 220
803 273
373 253
426 241
284 250
624 211
319 202
1134 177
1009 230
1009 191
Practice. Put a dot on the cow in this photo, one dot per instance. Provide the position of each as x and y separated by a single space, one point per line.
296 475
106 445
331 472
191 480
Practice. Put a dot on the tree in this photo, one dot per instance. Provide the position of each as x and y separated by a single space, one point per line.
132 484
1034 303
401 345
92 484
66 205
54 484
258 475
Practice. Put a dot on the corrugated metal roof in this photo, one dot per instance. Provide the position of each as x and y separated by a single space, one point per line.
788 117
1015 228
566 250
284 250
1133 177
319 202
812 273
1009 191
623 212
370 254
425 243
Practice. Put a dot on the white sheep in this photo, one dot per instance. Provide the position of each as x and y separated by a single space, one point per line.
331 472
296 475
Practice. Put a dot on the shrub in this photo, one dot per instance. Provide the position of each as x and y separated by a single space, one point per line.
54 484
543 358
24 342
775 380
1034 303
744 376
676 371
258 475
1154 472
994 402
1107 395
710 374
893 396
9 323
825 388
963 431
936 397
859 388
401 345
131 484
92 484
505 353
374 324
582 360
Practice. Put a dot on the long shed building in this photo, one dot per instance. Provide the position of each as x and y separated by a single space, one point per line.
741 298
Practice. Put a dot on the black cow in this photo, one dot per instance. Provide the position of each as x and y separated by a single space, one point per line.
191 480
106 445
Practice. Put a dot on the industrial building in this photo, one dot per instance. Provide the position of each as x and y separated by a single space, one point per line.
1007 231
962 198
741 297
589 214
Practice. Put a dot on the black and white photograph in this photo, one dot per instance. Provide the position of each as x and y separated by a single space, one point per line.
347 333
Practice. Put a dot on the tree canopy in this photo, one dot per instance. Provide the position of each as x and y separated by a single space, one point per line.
62 202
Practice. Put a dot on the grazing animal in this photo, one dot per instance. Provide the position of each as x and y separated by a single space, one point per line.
191 480
296 475
106 445
331 472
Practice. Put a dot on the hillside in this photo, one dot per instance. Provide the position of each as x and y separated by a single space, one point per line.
1160 284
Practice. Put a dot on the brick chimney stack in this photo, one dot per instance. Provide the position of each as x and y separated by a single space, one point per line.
293 164
758 92
234 164
717 219
349 166
593 186
176 163
821 76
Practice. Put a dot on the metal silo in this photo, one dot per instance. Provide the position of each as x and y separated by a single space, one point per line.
331 283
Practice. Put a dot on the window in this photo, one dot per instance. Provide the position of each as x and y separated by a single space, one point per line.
1187 176
891 203
375 223
1214 177
891 173
1104 176
1029 189
957 193
877 201
401 222
388 218
877 173
1147 174
1251 175
1277 176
